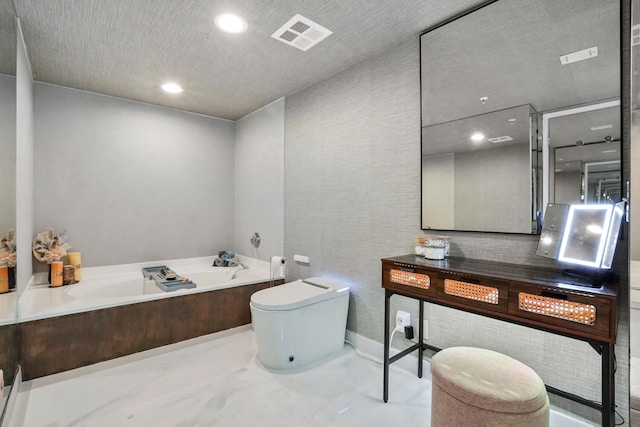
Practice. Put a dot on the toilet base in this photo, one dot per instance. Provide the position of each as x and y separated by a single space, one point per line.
292 339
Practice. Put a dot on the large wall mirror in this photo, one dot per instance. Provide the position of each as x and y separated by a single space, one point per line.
487 80
583 148
8 338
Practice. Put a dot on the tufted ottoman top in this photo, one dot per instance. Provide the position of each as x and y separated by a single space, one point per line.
489 380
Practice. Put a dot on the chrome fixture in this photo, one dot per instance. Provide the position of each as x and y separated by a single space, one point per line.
235 263
255 240
239 267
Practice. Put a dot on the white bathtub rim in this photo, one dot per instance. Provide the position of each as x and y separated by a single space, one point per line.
176 264
36 301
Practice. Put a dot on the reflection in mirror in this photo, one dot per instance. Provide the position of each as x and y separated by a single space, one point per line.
455 159
8 339
555 216
584 149
471 67
602 182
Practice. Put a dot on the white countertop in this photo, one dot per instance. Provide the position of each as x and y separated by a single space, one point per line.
8 308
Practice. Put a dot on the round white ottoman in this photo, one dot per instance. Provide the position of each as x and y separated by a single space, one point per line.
483 388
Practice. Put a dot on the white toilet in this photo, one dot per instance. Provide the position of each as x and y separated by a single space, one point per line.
299 322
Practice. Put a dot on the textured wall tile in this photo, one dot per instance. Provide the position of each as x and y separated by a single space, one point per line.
352 196
259 182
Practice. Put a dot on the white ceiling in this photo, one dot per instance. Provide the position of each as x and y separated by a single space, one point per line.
127 48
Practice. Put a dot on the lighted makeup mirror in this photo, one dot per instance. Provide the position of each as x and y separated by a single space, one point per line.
583 235
590 235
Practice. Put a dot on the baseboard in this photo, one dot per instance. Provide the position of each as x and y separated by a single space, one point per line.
13 396
634 402
375 350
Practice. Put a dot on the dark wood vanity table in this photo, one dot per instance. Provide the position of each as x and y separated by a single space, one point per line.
529 296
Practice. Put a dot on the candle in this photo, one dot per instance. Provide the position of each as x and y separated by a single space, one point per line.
56 273
69 275
4 279
75 259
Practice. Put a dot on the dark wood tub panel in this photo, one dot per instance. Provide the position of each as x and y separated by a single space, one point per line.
9 353
67 342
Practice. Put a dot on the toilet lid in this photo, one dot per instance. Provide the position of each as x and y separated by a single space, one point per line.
297 294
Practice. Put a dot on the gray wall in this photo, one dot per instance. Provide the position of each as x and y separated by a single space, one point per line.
131 182
438 190
7 153
352 196
567 187
259 181
24 163
491 191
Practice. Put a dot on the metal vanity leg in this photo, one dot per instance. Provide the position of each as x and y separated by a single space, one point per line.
608 386
420 335
385 390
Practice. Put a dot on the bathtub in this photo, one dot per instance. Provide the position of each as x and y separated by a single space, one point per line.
115 312
110 286
133 285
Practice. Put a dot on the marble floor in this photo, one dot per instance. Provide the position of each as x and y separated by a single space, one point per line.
217 381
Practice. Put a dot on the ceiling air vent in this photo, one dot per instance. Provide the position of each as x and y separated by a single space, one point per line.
500 139
301 32
635 35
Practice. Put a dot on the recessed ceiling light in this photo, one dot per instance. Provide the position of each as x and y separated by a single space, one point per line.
594 228
171 88
477 137
609 151
230 23
601 127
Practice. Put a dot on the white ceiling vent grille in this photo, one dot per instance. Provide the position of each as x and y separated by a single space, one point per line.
635 35
499 139
301 32
580 55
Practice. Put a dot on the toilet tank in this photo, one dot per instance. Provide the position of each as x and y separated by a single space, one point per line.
300 322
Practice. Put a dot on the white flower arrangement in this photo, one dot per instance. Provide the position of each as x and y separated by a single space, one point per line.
8 248
50 246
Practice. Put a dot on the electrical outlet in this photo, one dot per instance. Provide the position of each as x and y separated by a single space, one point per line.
402 319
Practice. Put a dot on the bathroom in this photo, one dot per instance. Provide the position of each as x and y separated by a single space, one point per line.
344 190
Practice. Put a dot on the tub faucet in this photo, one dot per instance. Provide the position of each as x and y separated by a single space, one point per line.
240 266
